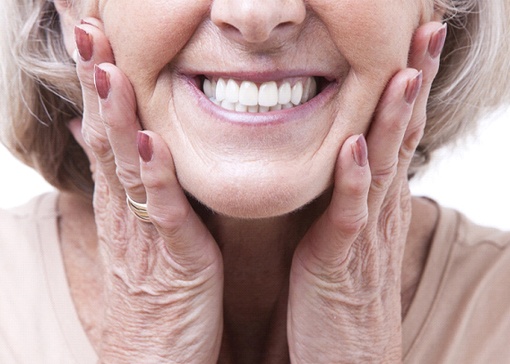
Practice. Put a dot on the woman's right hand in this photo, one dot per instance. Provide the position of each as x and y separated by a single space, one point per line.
163 280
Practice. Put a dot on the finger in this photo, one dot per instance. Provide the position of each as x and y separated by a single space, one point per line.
188 241
331 237
428 43
93 48
118 113
387 131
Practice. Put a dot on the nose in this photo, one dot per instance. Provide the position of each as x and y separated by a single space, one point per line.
257 21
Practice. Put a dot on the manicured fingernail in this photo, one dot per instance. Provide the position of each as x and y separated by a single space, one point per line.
102 82
413 88
144 146
360 151
437 42
84 43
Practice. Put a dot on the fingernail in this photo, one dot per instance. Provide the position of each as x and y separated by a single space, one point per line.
102 82
413 88
84 43
144 146
437 42
360 151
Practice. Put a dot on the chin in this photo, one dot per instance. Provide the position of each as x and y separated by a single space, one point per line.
254 200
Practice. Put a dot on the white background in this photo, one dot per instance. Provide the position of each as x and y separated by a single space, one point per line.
474 178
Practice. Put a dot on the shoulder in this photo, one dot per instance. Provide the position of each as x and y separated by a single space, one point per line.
471 236
467 234
464 294
477 256
42 207
29 257
22 229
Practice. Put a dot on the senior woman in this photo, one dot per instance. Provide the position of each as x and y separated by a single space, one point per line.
233 182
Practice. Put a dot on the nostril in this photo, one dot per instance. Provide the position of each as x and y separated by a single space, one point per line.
285 24
229 28
251 21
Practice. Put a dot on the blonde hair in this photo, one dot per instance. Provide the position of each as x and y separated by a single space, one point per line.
40 91
474 77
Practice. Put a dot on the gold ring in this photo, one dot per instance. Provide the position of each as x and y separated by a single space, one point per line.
138 209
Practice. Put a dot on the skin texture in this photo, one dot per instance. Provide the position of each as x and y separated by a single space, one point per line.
154 43
317 284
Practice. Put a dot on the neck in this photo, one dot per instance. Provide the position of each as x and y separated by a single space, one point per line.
257 255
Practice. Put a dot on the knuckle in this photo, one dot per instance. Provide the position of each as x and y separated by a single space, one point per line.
417 126
355 187
383 177
96 141
129 176
170 219
396 124
349 223
390 224
409 145
153 181
413 138
395 215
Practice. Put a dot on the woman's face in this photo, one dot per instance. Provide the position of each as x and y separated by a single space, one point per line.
260 163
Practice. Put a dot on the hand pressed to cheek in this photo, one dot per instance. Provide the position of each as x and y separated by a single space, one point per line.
349 270
375 39
162 46
362 291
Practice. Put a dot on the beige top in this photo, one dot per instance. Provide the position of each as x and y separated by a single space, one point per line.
460 314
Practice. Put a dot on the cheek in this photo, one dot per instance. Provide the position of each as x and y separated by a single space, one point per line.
146 35
374 36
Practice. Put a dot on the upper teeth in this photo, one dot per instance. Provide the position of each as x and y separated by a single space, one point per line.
246 96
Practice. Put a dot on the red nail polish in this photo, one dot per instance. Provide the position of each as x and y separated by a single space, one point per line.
144 146
437 42
83 43
102 82
360 151
413 88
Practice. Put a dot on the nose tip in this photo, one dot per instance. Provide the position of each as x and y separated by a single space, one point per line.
254 21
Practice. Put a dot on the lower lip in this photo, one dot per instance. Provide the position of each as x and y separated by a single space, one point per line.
303 111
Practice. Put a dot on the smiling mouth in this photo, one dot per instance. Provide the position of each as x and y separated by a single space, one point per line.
247 96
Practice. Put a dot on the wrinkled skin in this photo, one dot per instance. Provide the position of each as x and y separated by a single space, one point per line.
170 287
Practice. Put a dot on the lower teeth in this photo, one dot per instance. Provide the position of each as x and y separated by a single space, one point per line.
251 109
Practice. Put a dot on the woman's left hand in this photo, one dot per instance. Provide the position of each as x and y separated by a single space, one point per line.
344 298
